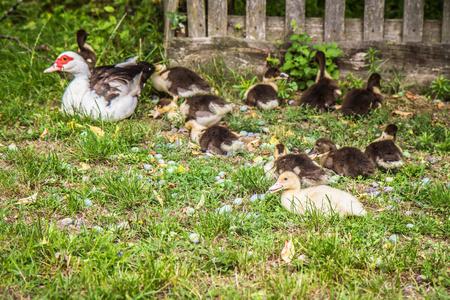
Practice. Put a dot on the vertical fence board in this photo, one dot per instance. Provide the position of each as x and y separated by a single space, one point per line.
196 18
413 20
255 20
217 17
446 23
334 20
295 10
373 20
169 6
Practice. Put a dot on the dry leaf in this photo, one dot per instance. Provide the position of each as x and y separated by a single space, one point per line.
440 105
44 133
201 202
274 141
288 251
411 96
402 113
158 197
84 167
97 130
27 200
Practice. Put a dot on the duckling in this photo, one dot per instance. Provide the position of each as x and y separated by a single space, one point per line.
179 82
347 161
264 95
217 139
384 152
360 102
324 93
85 50
308 171
321 197
166 105
207 110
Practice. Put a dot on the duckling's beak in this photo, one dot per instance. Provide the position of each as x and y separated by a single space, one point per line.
284 76
156 114
312 152
276 187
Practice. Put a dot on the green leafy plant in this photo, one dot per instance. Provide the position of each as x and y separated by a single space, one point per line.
350 82
244 85
287 89
440 87
374 63
176 19
299 59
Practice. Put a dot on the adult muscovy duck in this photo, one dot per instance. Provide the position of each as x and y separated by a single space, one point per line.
109 93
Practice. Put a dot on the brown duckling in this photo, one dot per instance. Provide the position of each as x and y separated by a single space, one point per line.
309 172
85 50
347 161
207 110
360 102
323 198
264 95
179 82
384 152
324 93
216 139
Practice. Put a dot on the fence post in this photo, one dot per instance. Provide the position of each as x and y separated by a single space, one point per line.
196 18
334 20
295 10
373 20
413 20
217 17
255 20
446 23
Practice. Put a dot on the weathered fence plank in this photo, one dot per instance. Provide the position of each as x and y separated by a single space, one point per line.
446 23
373 20
413 20
334 20
255 21
217 17
169 6
196 18
295 11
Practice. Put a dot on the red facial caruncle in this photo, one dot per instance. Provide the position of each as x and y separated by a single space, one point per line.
59 63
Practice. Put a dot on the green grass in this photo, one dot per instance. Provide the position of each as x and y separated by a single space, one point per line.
124 242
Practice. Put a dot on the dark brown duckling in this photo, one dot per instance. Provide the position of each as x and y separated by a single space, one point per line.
347 161
85 50
264 95
301 164
384 152
360 102
216 139
179 82
323 94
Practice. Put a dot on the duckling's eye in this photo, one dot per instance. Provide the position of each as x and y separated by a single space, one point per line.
285 178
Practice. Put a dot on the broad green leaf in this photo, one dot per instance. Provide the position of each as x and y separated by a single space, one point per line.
310 83
109 9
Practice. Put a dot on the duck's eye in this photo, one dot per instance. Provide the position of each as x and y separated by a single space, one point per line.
64 58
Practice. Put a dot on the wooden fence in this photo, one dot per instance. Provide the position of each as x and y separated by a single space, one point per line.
421 46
